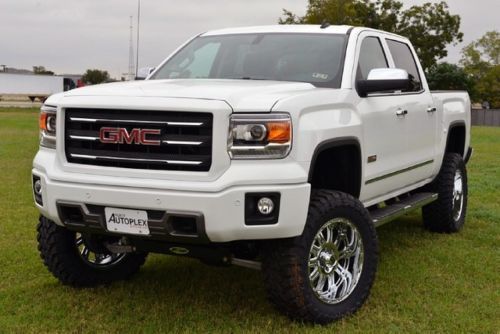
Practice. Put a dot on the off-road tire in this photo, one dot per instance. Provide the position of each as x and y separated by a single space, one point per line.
285 261
438 215
60 254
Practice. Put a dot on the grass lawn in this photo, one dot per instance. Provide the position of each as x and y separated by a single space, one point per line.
426 282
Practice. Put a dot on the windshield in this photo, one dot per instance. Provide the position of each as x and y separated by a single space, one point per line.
313 58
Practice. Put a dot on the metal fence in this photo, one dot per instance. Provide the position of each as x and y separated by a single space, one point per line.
486 117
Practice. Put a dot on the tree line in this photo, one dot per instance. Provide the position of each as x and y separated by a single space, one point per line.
431 28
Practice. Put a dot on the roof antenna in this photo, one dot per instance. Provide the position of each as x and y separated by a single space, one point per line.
325 24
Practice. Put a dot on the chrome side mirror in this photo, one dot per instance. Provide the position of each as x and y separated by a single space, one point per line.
384 80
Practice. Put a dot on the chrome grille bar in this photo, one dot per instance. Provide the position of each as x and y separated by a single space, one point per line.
131 121
182 142
83 138
168 142
105 157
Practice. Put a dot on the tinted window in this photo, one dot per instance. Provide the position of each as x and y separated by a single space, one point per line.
403 59
313 58
371 55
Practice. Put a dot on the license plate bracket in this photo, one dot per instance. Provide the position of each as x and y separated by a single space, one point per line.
126 221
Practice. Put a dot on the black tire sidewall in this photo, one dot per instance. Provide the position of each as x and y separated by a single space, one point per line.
438 216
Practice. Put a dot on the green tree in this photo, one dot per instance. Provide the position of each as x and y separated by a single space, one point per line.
488 88
489 45
446 76
430 27
94 77
41 70
480 59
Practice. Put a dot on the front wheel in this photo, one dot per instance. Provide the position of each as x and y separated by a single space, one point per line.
327 272
83 260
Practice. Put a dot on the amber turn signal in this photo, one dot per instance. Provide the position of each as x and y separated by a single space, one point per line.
42 122
279 132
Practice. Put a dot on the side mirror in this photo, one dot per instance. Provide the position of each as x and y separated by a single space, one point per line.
384 80
144 72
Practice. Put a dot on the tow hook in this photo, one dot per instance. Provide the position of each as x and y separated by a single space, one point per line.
120 247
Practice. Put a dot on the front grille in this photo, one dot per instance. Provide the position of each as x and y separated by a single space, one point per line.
185 139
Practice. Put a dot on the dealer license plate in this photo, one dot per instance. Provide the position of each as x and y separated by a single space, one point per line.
127 221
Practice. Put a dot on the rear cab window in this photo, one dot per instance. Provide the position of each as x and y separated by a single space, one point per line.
403 58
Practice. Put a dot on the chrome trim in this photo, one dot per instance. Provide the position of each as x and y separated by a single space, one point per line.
96 120
185 123
83 138
182 142
404 170
105 157
169 142
48 108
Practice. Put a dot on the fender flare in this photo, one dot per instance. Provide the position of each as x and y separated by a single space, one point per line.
332 143
456 124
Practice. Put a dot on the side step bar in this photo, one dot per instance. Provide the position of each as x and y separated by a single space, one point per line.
401 207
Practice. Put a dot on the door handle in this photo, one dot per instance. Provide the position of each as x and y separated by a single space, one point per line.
401 112
431 109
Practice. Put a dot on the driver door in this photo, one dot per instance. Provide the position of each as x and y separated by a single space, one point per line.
384 137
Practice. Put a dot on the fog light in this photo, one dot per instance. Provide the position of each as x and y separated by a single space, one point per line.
38 187
265 205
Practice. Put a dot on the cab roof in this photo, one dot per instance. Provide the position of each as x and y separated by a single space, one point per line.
281 28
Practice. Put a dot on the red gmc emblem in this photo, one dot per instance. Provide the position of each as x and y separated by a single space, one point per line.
123 136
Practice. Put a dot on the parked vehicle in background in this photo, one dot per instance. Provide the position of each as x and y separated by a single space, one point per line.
33 86
280 148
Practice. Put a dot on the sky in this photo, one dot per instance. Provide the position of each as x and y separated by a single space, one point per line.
70 36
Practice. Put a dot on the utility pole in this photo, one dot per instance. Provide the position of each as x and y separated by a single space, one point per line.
138 27
131 71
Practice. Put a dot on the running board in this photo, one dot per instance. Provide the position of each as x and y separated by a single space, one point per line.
401 207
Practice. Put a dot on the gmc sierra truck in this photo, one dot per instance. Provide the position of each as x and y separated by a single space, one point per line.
278 148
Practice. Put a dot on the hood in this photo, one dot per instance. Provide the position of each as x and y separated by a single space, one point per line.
241 95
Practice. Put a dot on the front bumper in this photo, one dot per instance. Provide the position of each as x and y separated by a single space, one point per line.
221 204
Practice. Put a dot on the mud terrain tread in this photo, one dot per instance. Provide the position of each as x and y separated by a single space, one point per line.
284 265
59 254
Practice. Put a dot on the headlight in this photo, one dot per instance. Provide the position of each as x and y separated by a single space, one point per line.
47 124
260 136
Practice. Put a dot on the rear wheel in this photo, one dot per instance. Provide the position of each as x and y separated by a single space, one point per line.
83 260
447 213
327 272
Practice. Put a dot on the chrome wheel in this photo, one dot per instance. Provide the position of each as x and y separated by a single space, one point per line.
335 260
458 198
96 256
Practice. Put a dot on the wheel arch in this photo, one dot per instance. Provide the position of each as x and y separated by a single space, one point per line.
456 138
344 176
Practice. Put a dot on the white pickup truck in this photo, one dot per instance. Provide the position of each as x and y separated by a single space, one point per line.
278 147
